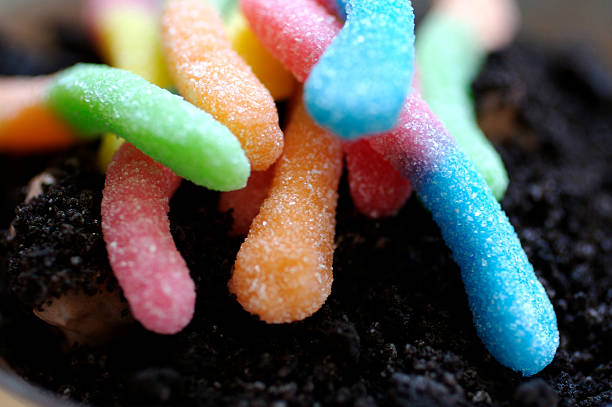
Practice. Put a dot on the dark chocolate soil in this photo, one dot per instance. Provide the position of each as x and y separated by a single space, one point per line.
397 329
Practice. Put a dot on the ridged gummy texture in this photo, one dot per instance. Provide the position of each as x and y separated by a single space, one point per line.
211 75
283 271
446 74
150 270
97 99
512 312
360 83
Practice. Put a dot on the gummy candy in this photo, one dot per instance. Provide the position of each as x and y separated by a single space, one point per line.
127 34
225 8
95 99
450 57
268 70
360 83
211 75
512 313
26 124
283 271
302 30
296 32
153 275
377 189
495 23
245 202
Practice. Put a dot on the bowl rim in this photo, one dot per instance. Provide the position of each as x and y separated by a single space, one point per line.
33 395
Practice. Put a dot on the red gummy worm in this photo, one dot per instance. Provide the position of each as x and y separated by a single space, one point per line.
246 202
378 190
153 275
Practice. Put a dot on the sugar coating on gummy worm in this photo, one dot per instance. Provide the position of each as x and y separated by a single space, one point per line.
522 335
95 99
26 124
377 189
153 275
450 57
296 32
298 46
211 75
126 32
512 312
278 80
359 84
283 271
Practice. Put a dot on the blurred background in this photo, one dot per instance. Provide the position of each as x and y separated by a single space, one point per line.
550 22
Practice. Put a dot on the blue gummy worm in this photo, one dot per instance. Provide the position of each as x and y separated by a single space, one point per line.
512 312
361 81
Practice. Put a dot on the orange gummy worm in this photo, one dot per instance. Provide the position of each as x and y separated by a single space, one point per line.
283 271
211 75
26 124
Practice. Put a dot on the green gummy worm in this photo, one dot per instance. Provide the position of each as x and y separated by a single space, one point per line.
97 99
449 59
226 8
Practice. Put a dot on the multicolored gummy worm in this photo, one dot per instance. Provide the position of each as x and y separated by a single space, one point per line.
358 83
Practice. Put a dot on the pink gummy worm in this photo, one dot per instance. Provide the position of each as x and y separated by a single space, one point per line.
296 32
153 275
377 189
245 202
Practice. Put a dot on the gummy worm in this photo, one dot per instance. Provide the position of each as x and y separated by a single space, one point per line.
272 74
26 124
283 271
297 32
377 189
512 312
245 202
127 34
96 99
450 57
152 274
211 75
225 8
362 79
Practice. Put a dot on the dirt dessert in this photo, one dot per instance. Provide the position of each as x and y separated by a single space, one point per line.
396 330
